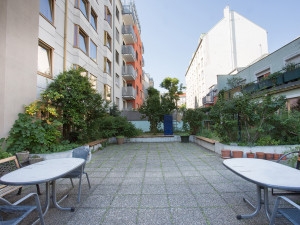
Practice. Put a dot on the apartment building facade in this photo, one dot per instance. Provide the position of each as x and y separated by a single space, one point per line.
51 36
133 63
253 77
233 43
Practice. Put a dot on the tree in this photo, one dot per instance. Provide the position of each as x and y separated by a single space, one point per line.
174 90
153 109
194 118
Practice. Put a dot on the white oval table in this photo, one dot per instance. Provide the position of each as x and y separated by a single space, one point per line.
44 172
265 174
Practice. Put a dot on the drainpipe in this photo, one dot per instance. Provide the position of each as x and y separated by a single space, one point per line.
65 35
114 52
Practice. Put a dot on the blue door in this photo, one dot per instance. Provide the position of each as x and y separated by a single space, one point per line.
168 125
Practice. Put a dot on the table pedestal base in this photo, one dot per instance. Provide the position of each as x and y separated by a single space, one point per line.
260 202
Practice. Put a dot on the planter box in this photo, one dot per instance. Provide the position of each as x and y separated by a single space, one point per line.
35 160
291 75
279 79
250 88
266 84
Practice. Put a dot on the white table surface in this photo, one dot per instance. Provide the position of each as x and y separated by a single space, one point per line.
42 172
265 173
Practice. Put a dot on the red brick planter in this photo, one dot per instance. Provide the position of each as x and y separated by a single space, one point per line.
226 154
269 156
276 156
250 155
260 155
237 154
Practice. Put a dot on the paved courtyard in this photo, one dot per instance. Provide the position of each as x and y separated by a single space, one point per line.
156 183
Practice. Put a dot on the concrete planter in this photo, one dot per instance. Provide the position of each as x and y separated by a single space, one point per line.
120 140
23 156
35 160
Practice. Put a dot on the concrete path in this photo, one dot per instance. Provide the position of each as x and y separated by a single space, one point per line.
156 183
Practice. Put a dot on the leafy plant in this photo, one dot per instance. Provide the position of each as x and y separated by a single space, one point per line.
4 155
194 118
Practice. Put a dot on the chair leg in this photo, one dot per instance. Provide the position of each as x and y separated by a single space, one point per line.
19 191
72 182
87 177
38 190
39 209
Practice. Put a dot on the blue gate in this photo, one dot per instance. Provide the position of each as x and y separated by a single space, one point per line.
168 125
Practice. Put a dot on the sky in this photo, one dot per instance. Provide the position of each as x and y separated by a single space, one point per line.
171 28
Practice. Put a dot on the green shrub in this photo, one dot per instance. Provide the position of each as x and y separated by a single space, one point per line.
34 135
194 118
4 155
267 140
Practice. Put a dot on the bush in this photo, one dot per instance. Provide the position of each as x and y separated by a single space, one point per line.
34 135
194 118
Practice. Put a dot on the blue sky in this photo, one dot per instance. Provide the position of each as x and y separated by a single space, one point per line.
171 28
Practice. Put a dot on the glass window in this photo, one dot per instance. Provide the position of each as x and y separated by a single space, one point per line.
93 19
107 40
93 80
80 39
107 66
83 6
107 92
46 8
117 56
93 51
44 59
117 35
117 13
82 42
107 15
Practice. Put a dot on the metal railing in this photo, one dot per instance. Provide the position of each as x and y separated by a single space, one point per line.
129 70
128 92
208 99
128 29
128 50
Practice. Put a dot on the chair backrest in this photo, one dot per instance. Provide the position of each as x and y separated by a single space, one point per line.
80 152
8 165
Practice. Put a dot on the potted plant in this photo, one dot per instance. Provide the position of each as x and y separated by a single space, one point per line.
185 137
120 140
23 156
34 159
237 154
292 72
250 154
276 156
226 154
260 155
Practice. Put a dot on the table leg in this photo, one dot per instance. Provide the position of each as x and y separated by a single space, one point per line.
257 208
79 191
47 202
72 209
266 201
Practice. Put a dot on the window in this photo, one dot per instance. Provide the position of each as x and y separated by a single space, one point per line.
83 72
107 92
94 19
107 15
137 55
117 80
107 66
81 39
117 35
117 13
107 40
93 81
47 9
83 5
137 90
117 102
117 56
129 84
264 73
93 51
141 94
45 59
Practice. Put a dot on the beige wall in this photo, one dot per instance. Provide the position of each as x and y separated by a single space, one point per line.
19 23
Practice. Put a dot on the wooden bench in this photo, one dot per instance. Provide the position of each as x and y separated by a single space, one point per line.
93 143
8 165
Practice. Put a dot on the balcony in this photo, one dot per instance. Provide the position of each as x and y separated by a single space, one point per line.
128 53
128 34
143 61
143 48
129 73
208 100
128 14
128 93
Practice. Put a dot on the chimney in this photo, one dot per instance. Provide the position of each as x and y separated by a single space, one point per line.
226 11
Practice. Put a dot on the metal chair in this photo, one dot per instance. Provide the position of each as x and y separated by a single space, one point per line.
297 167
9 210
83 153
292 214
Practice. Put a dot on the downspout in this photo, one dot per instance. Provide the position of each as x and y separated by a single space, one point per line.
114 52
65 36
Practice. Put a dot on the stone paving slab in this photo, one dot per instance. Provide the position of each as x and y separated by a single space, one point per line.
154 183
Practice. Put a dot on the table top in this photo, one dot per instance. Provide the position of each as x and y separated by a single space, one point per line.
265 173
42 172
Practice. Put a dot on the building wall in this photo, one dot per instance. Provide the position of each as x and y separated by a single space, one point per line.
275 61
18 58
226 47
